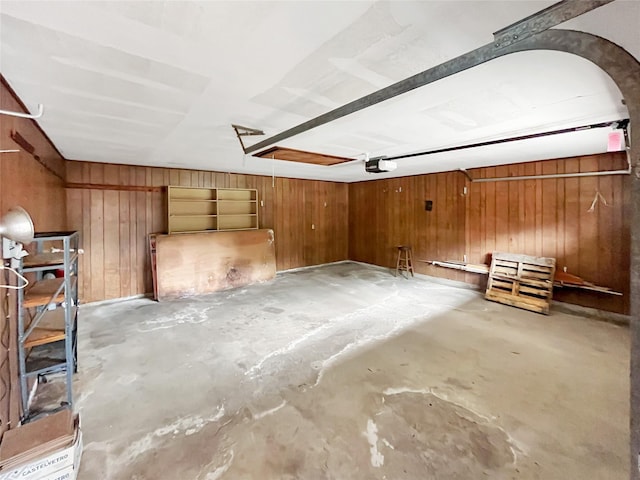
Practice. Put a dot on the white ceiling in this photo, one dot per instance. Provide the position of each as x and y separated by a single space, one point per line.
160 83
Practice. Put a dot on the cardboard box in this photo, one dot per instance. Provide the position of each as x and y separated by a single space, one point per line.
59 465
69 473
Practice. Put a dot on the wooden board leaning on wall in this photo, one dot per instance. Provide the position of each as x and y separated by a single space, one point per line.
189 264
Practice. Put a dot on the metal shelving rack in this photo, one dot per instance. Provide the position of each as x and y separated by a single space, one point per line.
48 313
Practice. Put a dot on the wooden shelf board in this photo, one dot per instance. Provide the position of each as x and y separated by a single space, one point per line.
50 329
234 229
40 294
43 259
42 336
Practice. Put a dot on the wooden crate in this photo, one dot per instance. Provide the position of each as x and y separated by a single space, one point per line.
522 281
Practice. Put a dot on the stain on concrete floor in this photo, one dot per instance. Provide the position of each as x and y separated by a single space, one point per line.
377 377
407 435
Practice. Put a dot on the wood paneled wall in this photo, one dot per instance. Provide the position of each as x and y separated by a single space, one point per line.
554 218
549 217
37 185
309 219
387 213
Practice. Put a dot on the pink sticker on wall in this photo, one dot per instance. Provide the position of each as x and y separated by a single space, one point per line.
616 141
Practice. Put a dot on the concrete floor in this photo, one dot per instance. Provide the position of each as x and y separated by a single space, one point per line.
345 372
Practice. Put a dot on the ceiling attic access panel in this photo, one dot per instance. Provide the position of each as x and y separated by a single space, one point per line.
300 156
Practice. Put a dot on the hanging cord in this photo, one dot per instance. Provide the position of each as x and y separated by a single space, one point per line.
5 384
596 199
14 287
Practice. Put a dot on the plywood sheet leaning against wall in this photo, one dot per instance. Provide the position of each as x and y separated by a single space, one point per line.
191 264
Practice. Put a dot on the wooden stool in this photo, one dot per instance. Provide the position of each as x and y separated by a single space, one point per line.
405 260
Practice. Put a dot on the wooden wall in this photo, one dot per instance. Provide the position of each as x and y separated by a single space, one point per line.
387 213
34 184
37 185
548 217
114 213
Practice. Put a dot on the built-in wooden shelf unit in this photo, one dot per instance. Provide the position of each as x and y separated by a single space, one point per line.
192 209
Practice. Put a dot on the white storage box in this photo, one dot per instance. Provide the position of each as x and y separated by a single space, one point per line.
59 465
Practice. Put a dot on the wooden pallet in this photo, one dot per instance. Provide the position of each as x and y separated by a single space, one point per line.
521 281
